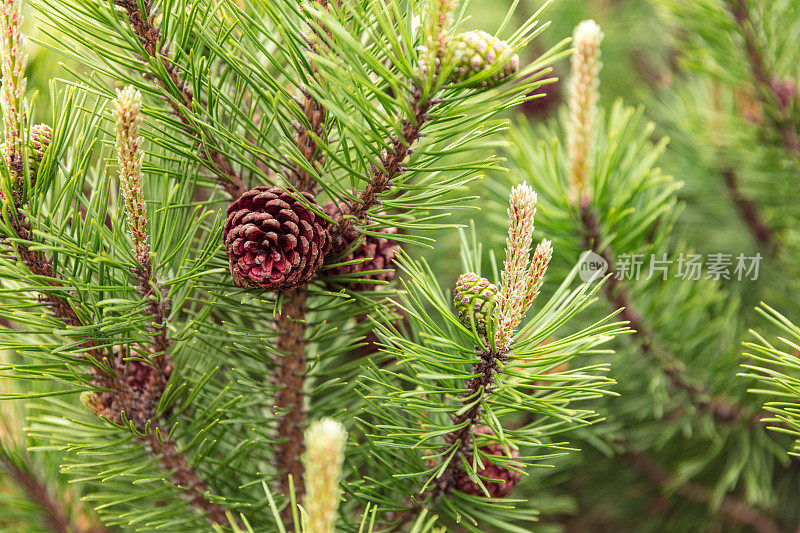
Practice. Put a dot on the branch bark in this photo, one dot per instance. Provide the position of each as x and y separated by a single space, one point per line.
750 214
53 513
289 380
381 174
618 295
183 475
734 510
478 387
764 80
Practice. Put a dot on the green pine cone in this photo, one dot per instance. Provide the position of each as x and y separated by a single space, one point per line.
477 51
474 296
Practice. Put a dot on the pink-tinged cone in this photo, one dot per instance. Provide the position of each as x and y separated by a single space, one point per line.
274 240
506 479
374 253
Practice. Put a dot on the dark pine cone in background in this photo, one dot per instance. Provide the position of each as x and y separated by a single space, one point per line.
544 105
273 240
509 478
374 253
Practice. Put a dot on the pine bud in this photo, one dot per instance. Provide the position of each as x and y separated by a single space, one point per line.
92 402
541 259
583 96
325 444
128 117
13 59
503 480
513 291
474 299
475 52
522 278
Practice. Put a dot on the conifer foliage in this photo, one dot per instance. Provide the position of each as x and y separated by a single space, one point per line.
686 442
185 314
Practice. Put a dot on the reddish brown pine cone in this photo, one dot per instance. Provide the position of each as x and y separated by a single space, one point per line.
374 253
496 489
273 240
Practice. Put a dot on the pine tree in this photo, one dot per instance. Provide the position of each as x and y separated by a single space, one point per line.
200 242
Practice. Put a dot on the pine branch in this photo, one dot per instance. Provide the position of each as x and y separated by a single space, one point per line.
389 166
118 395
53 513
315 113
619 296
138 407
170 458
478 389
151 38
735 510
289 373
750 214
763 78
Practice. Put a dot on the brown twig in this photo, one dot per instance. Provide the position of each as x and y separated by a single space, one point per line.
389 166
289 380
478 388
306 137
735 510
768 92
53 513
749 213
184 476
618 294
151 38
157 306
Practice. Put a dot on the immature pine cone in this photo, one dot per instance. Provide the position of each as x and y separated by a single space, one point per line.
273 240
497 489
374 253
474 295
38 141
477 51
